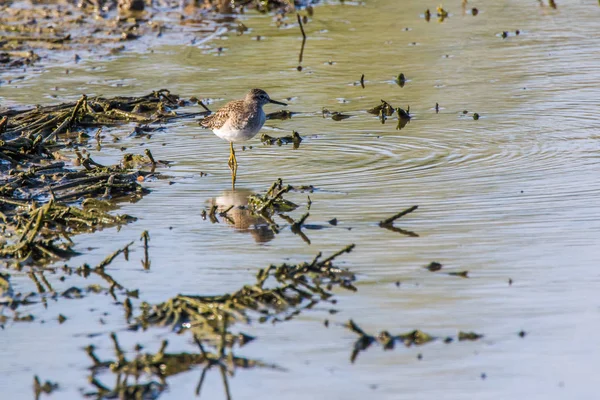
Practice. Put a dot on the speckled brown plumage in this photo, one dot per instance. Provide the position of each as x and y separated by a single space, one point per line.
239 120
234 109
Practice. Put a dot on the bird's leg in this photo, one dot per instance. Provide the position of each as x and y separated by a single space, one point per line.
232 160
232 165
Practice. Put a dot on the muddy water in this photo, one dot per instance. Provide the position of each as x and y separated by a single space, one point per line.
513 195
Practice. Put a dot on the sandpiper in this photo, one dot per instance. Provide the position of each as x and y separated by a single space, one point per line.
239 120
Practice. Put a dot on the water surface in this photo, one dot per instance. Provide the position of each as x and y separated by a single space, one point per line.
513 195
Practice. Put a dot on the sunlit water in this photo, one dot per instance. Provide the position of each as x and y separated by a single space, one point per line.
513 195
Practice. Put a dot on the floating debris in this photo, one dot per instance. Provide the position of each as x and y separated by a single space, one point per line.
362 81
282 115
294 139
384 108
401 80
469 336
388 341
272 201
427 15
442 14
433 266
335 115
461 274
39 388
475 116
404 117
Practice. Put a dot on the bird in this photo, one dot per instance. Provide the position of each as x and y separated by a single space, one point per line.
239 120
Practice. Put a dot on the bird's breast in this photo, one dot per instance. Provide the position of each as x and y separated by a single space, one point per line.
242 129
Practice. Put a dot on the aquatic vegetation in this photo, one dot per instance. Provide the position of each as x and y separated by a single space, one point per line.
295 287
43 124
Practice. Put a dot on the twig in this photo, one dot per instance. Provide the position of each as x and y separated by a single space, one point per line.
303 38
391 220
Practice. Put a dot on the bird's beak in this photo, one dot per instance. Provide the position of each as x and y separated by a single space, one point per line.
277 102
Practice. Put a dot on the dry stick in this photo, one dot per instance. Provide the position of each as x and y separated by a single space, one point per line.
14 202
111 257
303 38
149 155
29 223
89 190
145 262
36 39
109 185
346 249
8 158
59 164
3 124
58 130
201 104
76 108
391 220
80 182
42 123
38 223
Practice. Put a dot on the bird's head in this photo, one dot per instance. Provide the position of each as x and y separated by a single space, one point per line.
261 97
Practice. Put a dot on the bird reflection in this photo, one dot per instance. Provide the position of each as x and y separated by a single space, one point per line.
241 218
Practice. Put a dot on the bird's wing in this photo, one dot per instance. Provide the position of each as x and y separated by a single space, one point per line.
218 119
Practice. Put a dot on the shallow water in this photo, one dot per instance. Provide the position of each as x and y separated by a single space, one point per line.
513 195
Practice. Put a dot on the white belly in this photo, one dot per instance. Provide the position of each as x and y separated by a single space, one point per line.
241 133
